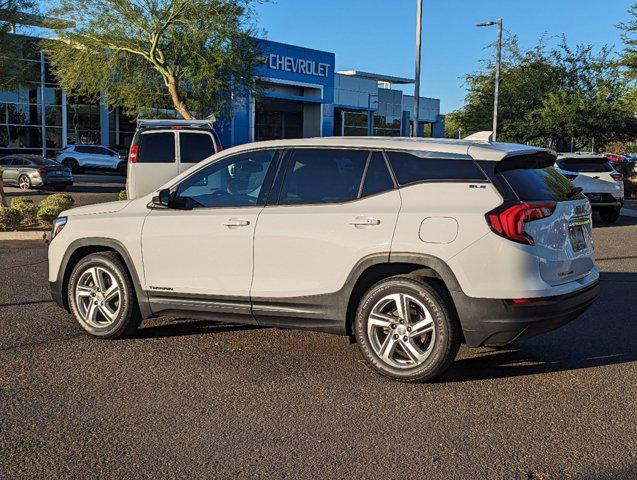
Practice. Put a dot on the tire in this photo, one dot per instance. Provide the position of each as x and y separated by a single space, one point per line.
438 343
72 164
123 311
609 214
24 182
121 168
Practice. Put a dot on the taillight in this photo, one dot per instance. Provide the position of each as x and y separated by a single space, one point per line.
570 176
617 176
132 155
508 220
40 170
530 300
219 148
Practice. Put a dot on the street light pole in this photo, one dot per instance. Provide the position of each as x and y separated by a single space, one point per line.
417 76
496 96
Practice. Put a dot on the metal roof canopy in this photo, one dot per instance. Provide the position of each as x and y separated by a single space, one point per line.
377 77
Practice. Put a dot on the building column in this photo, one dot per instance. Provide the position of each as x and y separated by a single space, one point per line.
42 102
64 120
103 121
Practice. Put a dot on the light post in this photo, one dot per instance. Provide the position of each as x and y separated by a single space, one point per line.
417 76
496 98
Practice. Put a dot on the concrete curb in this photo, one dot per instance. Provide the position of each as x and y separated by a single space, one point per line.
627 212
31 235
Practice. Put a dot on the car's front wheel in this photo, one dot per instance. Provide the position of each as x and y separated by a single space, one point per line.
407 329
609 214
102 297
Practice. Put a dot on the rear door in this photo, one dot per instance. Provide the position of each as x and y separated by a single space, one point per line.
154 164
8 176
193 147
563 241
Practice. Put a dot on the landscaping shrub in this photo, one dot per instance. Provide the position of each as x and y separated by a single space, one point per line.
122 195
10 218
52 206
27 209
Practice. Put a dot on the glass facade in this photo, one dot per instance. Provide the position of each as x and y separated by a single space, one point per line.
350 122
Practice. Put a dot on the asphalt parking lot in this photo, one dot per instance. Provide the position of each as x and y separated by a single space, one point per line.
190 398
87 188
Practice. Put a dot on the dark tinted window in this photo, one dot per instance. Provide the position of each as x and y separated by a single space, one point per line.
19 162
538 184
157 148
323 175
377 178
412 168
84 149
590 164
6 161
194 147
232 182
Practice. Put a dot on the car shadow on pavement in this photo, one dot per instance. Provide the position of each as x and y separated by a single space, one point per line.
606 334
623 221
182 327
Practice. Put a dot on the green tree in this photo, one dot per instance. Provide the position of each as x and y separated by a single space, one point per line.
188 54
551 96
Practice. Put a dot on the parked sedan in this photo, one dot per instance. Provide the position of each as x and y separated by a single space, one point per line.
34 171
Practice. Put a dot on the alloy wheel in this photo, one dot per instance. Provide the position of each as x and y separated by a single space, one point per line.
24 183
401 330
98 297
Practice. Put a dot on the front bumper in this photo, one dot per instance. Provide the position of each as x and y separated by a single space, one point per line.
495 322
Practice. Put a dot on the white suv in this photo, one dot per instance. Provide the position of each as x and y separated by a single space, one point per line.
407 246
81 157
598 180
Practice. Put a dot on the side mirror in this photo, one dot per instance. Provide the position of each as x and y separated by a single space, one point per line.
162 198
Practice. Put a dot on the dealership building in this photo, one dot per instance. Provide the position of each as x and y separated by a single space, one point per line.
301 95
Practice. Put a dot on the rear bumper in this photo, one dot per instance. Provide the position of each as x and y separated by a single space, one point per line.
604 200
496 322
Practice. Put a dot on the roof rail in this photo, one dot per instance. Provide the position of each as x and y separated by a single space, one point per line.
485 137
150 122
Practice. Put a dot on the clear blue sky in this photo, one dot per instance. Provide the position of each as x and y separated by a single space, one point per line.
378 35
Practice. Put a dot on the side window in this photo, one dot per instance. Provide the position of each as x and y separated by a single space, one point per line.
18 162
323 176
415 167
232 182
194 147
377 178
83 149
6 161
157 148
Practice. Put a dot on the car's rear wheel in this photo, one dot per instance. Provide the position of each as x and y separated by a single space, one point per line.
102 297
609 214
407 329
72 164
24 182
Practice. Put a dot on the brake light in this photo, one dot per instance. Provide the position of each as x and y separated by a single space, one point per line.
617 176
40 170
570 176
530 300
508 220
219 148
132 156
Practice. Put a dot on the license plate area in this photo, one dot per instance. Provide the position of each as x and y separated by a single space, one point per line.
578 239
594 197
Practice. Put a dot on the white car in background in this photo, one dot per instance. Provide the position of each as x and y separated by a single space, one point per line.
599 181
97 157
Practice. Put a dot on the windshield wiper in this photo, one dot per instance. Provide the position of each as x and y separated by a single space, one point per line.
574 191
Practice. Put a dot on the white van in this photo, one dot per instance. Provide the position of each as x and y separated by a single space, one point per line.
162 149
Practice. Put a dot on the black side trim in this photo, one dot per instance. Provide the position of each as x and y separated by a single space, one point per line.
207 307
59 286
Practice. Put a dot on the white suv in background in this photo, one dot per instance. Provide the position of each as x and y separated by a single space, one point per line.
599 181
407 246
81 157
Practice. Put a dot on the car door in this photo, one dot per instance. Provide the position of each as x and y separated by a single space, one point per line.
154 164
202 258
17 166
193 147
335 208
85 156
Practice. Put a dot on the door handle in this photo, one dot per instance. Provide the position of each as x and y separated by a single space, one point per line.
364 221
236 222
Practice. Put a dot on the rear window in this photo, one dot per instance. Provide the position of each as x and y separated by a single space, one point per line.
157 148
412 168
43 161
538 184
194 147
592 164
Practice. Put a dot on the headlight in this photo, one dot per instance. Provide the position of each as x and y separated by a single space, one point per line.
58 225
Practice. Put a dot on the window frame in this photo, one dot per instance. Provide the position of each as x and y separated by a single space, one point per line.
268 180
274 199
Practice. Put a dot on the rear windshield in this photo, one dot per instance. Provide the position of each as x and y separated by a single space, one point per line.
591 164
157 148
538 184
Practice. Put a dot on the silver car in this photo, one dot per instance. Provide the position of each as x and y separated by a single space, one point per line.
34 171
